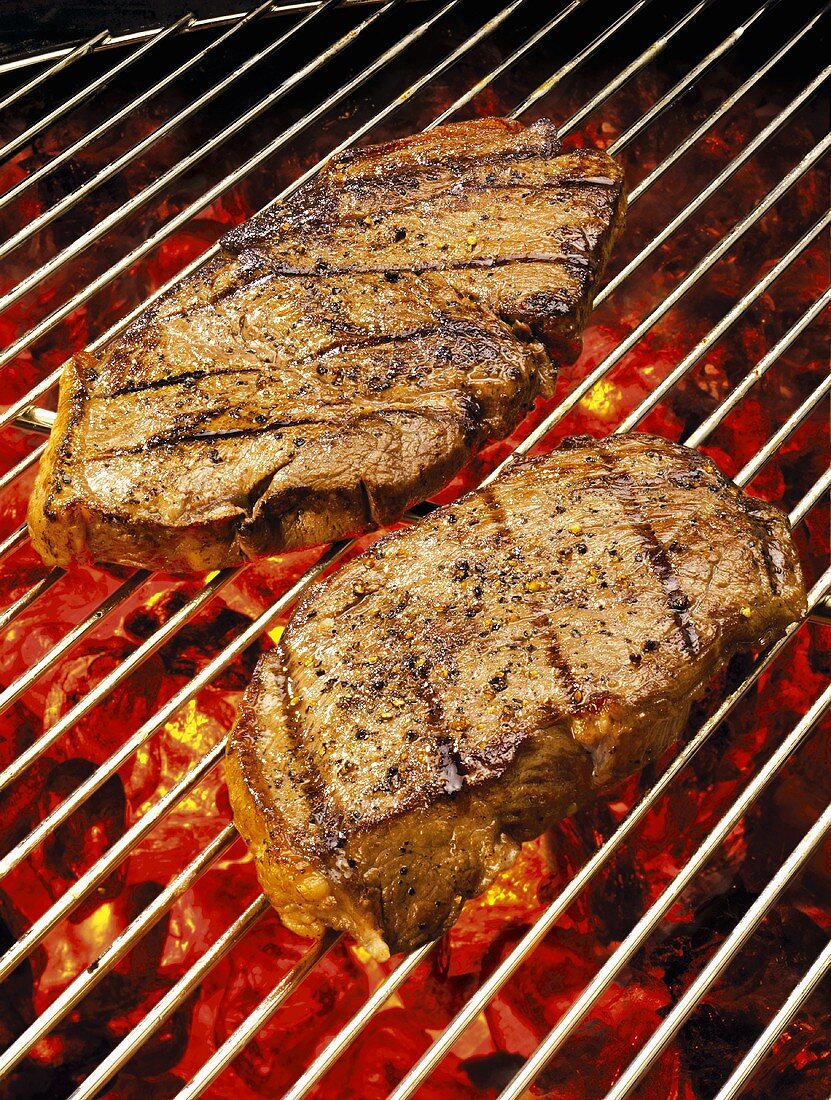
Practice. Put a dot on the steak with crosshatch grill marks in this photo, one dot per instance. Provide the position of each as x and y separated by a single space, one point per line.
463 684
339 359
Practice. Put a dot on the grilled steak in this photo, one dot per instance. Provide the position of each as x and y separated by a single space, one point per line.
340 358
465 683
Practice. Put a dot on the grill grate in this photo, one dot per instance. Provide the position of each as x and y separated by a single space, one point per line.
24 412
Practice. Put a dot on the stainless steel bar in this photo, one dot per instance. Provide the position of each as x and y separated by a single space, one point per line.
683 86
37 420
783 1018
479 1001
718 963
13 541
21 467
129 108
145 824
69 998
166 230
350 1031
650 920
752 468
63 62
504 65
10 613
573 63
171 1000
681 288
159 185
90 89
642 60
655 396
111 680
225 1054
716 417
726 106
811 498
298 7
22 683
715 185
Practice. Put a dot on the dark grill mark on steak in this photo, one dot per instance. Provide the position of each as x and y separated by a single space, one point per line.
677 601
573 258
771 554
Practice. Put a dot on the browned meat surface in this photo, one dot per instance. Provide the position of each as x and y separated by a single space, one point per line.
339 359
465 683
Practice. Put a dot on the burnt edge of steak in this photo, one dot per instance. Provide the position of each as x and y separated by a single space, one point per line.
468 681
340 359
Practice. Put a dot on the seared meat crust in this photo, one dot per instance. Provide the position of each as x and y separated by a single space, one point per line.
465 683
339 359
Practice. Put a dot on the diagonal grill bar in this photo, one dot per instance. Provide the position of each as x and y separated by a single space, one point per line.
62 63
130 108
650 920
783 1018
90 89
719 962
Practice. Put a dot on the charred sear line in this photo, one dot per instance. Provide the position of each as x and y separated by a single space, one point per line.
620 483
179 380
772 556
322 811
326 270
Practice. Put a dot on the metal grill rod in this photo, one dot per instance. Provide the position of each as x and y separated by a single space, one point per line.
752 468
90 89
106 863
718 963
69 998
28 598
783 1018
105 685
700 269
131 37
60 64
23 342
172 999
208 197
22 683
650 920
717 416
811 498
683 86
159 185
715 185
129 109
714 335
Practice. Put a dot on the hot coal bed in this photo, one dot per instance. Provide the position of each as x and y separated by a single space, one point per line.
736 1008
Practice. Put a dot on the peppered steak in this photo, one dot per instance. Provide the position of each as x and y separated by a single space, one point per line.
465 683
340 358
